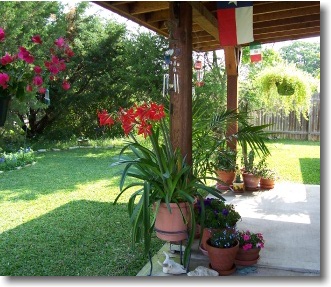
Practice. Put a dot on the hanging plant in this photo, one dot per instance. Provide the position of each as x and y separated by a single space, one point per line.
284 87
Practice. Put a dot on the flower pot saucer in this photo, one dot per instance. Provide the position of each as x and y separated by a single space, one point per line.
204 251
225 272
246 262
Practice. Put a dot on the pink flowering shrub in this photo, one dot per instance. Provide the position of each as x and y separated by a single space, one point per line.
248 240
22 72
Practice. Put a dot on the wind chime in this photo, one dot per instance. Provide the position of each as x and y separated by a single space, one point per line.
47 98
199 72
171 63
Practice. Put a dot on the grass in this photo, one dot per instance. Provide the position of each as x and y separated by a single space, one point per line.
57 217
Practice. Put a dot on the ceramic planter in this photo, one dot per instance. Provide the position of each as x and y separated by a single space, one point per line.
251 181
238 187
222 259
266 183
226 178
171 226
247 257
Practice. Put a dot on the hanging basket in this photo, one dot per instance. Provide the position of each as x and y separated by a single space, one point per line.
285 88
4 104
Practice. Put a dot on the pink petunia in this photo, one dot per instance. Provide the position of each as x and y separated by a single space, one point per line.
247 246
36 39
2 35
246 237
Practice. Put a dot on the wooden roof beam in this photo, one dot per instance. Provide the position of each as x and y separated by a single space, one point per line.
205 19
141 7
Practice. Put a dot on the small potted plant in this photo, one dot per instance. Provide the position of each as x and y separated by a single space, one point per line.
251 172
222 249
214 214
224 162
250 245
238 184
268 178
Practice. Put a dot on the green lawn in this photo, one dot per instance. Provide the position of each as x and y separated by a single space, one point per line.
57 217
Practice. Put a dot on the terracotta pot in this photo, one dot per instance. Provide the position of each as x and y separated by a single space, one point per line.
171 226
251 181
226 178
206 234
266 183
222 259
247 257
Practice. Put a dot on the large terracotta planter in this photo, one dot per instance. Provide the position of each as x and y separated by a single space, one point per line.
171 226
226 178
251 181
222 259
266 183
247 257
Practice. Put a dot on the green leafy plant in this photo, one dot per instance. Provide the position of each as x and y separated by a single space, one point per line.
248 240
224 159
225 238
156 174
9 161
216 214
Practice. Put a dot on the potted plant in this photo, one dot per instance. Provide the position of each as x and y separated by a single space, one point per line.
224 162
214 214
268 178
250 245
222 249
251 172
238 184
159 179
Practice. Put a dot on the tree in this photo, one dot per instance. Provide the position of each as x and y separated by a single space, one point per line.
305 55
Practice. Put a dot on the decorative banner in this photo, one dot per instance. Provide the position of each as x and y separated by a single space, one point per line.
255 52
235 22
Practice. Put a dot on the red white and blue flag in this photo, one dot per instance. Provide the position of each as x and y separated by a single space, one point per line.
235 22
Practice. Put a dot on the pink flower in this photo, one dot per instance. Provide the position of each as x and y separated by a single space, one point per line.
29 88
2 35
59 42
42 90
36 39
37 81
4 79
247 246
37 70
25 55
246 237
65 85
69 52
6 59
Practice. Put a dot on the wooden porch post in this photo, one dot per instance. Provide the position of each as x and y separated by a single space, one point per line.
181 94
232 59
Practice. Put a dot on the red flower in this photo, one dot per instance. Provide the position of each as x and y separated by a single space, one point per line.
157 112
4 79
2 35
7 59
25 55
65 85
105 118
29 88
37 81
36 39
144 129
41 90
37 70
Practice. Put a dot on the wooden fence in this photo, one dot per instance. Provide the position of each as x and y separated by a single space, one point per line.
289 127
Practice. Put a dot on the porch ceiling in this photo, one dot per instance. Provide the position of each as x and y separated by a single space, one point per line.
273 21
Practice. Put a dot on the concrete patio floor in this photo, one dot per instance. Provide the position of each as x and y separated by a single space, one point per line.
289 218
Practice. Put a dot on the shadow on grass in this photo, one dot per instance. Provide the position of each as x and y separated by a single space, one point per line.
80 238
59 171
310 169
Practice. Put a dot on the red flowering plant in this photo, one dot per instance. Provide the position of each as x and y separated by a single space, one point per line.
160 174
22 72
248 240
